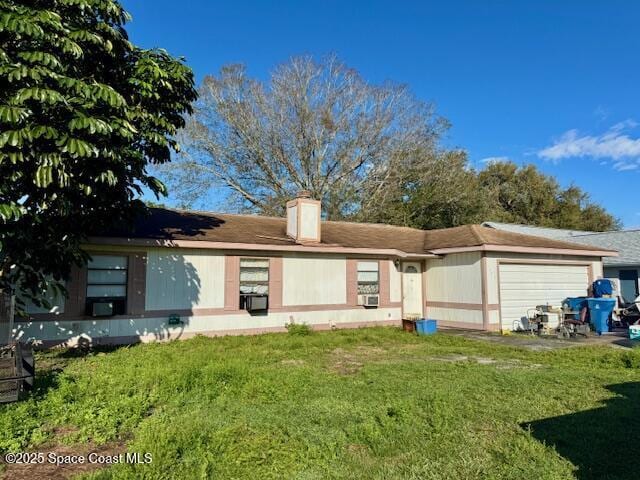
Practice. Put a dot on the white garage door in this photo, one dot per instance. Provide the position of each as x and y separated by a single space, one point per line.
523 286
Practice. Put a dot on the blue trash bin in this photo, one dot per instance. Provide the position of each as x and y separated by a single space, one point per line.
599 311
426 326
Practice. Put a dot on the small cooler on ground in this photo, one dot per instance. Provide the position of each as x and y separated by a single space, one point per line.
575 305
634 332
599 311
426 327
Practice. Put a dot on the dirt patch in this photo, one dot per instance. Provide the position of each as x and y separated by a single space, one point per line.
292 362
345 363
500 364
45 466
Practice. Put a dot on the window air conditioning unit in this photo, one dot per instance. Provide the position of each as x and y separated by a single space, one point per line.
257 303
369 300
102 309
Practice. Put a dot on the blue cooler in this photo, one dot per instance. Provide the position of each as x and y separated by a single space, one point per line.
599 311
426 327
575 304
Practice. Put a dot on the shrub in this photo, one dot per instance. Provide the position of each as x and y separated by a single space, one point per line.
300 329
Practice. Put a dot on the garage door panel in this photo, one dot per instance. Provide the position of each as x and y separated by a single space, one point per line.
523 286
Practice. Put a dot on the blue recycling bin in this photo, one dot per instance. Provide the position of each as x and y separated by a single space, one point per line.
599 311
426 326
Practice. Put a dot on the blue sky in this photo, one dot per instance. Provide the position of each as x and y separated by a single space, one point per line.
555 83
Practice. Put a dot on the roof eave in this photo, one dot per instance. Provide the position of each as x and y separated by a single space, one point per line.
309 248
516 249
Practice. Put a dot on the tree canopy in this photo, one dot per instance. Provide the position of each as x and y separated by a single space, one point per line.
526 195
316 126
371 153
444 191
83 113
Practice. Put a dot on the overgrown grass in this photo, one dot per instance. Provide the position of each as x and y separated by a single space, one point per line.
370 403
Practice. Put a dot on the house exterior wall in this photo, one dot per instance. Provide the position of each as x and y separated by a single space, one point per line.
202 287
131 329
184 279
395 282
453 286
314 280
309 220
56 301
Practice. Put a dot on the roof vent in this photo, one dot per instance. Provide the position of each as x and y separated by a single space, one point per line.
303 218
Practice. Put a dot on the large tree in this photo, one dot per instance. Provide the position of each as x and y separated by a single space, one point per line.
83 113
436 189
526 195
315 126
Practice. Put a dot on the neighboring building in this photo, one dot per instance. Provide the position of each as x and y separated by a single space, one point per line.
177 274
623 270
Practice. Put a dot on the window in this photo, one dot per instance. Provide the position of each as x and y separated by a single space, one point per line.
368 278
107 282
254 279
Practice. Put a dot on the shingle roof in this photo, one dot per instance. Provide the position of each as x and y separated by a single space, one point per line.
625 242
558 233
475 235
170 224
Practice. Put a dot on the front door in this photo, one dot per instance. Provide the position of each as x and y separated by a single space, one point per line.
411 289
629 284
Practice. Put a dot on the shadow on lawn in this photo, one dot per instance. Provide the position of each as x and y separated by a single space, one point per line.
601 442
50 366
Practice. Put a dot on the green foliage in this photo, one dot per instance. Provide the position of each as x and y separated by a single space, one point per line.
526 195
299 329
367 403
83 112
443 191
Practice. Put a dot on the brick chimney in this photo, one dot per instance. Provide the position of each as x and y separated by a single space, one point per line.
303 218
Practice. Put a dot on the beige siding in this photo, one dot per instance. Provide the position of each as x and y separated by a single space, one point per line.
395 283
454 278
309 280
597 268
471 317
56 302
185 278
309 220
493 292
292 220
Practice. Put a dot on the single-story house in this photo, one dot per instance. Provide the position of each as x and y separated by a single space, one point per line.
179 273
623 269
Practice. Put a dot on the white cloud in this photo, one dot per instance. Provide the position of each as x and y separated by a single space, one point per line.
490 160
614 144
623 166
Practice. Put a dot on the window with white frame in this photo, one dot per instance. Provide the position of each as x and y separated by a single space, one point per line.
254 278
107 281
368 278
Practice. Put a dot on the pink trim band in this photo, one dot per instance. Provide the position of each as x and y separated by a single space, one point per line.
389 252
515 249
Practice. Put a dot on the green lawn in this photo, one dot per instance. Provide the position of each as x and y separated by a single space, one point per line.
369 403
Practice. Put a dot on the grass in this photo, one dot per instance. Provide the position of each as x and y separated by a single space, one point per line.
371 403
